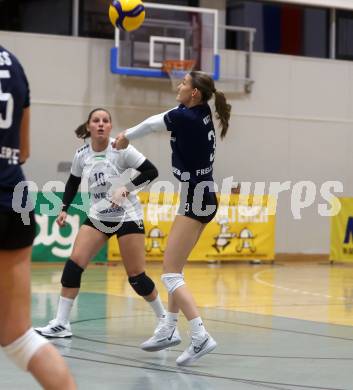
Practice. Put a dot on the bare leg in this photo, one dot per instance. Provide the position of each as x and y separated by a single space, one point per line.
132 249
47 366
50 369
184 235
87 244
172 305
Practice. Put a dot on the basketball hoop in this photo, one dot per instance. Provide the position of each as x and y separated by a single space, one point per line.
177 69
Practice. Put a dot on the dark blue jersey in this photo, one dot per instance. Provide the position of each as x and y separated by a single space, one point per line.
193 142
14 97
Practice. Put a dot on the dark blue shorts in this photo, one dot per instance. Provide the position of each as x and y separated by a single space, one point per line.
196 203
116 228
14 234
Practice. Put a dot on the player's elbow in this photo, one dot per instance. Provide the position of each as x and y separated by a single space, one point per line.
24 156
154 173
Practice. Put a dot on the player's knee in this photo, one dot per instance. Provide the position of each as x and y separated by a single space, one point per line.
23 349
142 284
172 281
71 277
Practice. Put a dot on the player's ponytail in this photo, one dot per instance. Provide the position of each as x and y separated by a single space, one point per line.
223 111
82 130
205 84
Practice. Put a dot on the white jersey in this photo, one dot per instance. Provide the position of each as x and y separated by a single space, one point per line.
102 172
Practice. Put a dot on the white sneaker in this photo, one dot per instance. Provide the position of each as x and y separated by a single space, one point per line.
55 329
196 349
164 337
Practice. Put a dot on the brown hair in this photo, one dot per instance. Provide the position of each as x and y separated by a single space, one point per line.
205 84
82 131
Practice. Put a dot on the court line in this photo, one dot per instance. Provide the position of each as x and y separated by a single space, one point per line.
286 330
258 279
241 324
161 368
165 368
232 323
219 353
278 305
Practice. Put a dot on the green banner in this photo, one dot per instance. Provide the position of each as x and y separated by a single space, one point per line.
52 243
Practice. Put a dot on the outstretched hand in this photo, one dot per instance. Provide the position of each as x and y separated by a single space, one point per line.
61 219
118 196
121 142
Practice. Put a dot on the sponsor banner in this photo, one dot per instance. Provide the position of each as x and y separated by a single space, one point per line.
54 244
244 228
341 246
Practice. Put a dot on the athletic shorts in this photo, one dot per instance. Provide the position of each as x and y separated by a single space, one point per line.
199 205
13 233
116 228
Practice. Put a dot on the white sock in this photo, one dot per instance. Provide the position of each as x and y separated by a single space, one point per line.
64 309
197 328
171 319
158 307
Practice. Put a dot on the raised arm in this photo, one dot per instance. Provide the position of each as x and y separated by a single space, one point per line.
152 124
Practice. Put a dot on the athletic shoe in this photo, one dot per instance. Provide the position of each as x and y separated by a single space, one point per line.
197 348
163 337
55 329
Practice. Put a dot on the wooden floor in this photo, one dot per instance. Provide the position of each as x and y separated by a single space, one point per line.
282 326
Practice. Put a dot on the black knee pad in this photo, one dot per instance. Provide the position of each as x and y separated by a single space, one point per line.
71 276
142 284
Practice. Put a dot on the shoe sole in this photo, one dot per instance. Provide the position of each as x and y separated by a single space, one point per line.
53 336
198 356
156 348
50 336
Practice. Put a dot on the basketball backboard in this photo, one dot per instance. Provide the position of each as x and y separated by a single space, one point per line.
170 32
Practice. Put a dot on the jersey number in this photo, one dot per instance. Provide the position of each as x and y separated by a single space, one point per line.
6 121
212 134
99 177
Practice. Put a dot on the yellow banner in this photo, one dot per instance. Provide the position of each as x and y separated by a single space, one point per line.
341 247
244 228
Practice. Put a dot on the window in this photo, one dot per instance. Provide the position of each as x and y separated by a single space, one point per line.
55 16
280 28
94 20
344 36
38 16
190 3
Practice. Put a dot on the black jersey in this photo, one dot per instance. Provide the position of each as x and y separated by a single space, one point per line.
193 142
14 97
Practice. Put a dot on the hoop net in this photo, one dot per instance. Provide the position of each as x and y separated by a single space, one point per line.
177 69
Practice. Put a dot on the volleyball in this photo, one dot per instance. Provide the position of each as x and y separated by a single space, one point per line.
127 15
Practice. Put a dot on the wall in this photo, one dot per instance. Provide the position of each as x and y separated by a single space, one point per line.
296 125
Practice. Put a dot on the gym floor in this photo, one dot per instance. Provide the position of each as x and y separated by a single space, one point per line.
283 326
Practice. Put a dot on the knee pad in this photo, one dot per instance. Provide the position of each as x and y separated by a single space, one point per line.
142 284
71 276
22 350
172 281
